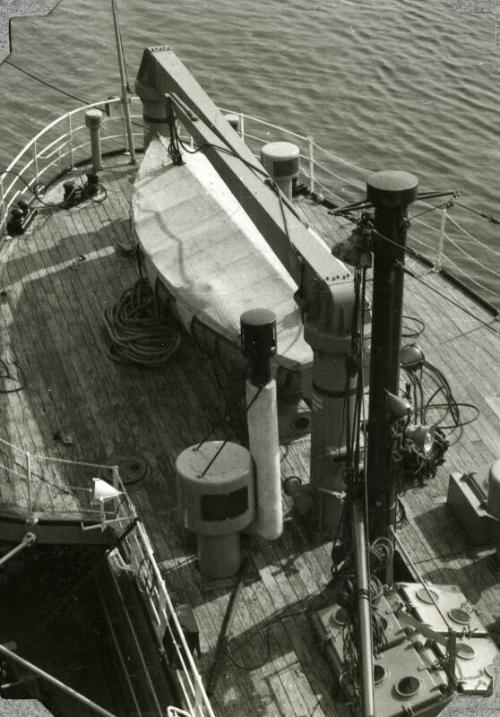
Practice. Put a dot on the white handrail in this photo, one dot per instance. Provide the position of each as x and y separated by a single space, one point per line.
57 121
265 123
64 147
474 239
164 615
459 269
67 484
158 597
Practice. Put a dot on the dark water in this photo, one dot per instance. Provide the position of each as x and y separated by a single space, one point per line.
393 84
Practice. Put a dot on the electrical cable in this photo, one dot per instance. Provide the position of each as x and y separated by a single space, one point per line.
407 334
249 668
85 196
32 190
429 405
267 630
459 424
6 375
413 462
77 195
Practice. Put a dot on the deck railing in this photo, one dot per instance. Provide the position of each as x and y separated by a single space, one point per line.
60 147
447 237
141 560
135 555
48 485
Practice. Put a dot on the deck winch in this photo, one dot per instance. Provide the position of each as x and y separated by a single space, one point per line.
74 194
412 667
474 500
19 218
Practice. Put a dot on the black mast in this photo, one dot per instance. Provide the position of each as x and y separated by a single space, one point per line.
390 192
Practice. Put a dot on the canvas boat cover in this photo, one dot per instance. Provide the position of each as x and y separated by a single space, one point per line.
209 254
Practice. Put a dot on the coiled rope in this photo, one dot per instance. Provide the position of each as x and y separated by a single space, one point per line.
138 328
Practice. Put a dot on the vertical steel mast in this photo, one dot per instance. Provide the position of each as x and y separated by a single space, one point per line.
124 84
390 192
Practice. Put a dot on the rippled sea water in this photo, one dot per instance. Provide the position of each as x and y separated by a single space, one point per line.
388 84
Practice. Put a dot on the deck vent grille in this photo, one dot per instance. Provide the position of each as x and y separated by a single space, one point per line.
225 505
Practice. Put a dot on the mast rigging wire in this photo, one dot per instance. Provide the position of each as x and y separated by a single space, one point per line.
414 255
486 324
47 83
489 217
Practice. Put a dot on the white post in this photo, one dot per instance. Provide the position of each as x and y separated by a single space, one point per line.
242 126
438 264
35 159
28 470
70 133
3 207
311 163
115 471
198 699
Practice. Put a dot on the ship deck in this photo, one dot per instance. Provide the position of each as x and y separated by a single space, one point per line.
56 281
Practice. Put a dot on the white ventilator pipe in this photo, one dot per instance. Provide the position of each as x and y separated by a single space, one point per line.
262 417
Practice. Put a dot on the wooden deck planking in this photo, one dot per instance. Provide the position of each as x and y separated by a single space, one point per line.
185 584
58 295
259 602
20 413
51 356
26 413
158 413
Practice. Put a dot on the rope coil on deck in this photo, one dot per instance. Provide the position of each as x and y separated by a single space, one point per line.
138 328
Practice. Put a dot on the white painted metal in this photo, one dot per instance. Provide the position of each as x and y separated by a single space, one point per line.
262 417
